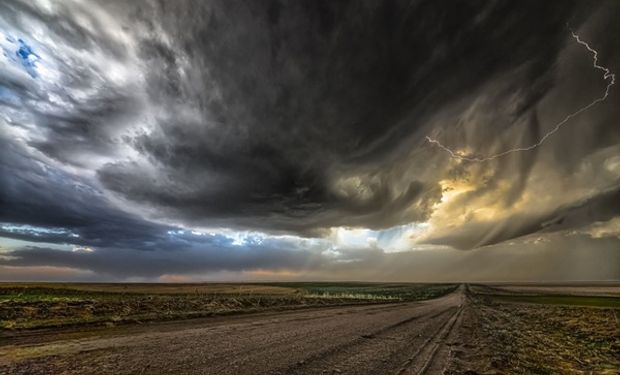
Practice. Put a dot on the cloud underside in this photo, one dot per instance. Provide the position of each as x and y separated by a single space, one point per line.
123 122
579 257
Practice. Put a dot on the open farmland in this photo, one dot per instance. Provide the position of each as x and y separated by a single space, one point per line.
45 305
309 328
544 329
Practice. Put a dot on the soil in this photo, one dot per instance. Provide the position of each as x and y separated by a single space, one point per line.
461 333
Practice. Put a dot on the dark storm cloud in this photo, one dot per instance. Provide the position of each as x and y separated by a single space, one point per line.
600 208
290 94
284 117
108 241
65 209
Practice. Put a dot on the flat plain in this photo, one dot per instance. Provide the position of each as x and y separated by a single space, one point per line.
310 328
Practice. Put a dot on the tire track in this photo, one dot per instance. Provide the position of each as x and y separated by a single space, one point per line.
325 355
353 340
428 350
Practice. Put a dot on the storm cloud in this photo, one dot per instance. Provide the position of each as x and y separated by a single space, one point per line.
125 124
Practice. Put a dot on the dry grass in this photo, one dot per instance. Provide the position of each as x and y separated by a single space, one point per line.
51 305
520 337
553 339
599 289
156 288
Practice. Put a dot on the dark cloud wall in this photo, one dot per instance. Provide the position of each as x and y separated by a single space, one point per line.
123 122
38 196
309 90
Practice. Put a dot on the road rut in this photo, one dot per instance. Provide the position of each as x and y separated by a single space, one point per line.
405 338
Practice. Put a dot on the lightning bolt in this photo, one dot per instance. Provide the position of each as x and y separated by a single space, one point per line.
607 76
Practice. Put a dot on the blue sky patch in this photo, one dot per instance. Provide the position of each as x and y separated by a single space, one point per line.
22 54
27 57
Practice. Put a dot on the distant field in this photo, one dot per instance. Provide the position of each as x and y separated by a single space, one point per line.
150 288
375 291
476 329
577 295
610 289
594 301
48 305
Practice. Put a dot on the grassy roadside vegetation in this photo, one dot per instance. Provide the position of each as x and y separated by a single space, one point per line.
500 295
562 300
543 331
52 305
371 291
536 338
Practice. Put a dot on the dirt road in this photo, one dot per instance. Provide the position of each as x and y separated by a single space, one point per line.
407 338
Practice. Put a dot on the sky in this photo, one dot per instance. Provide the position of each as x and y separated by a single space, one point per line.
178 141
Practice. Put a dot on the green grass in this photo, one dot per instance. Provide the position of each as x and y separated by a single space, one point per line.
141 288
37 305
374 291
562 300
350 290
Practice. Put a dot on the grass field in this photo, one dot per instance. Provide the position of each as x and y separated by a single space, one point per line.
594 301
49 305
545 330
601 296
